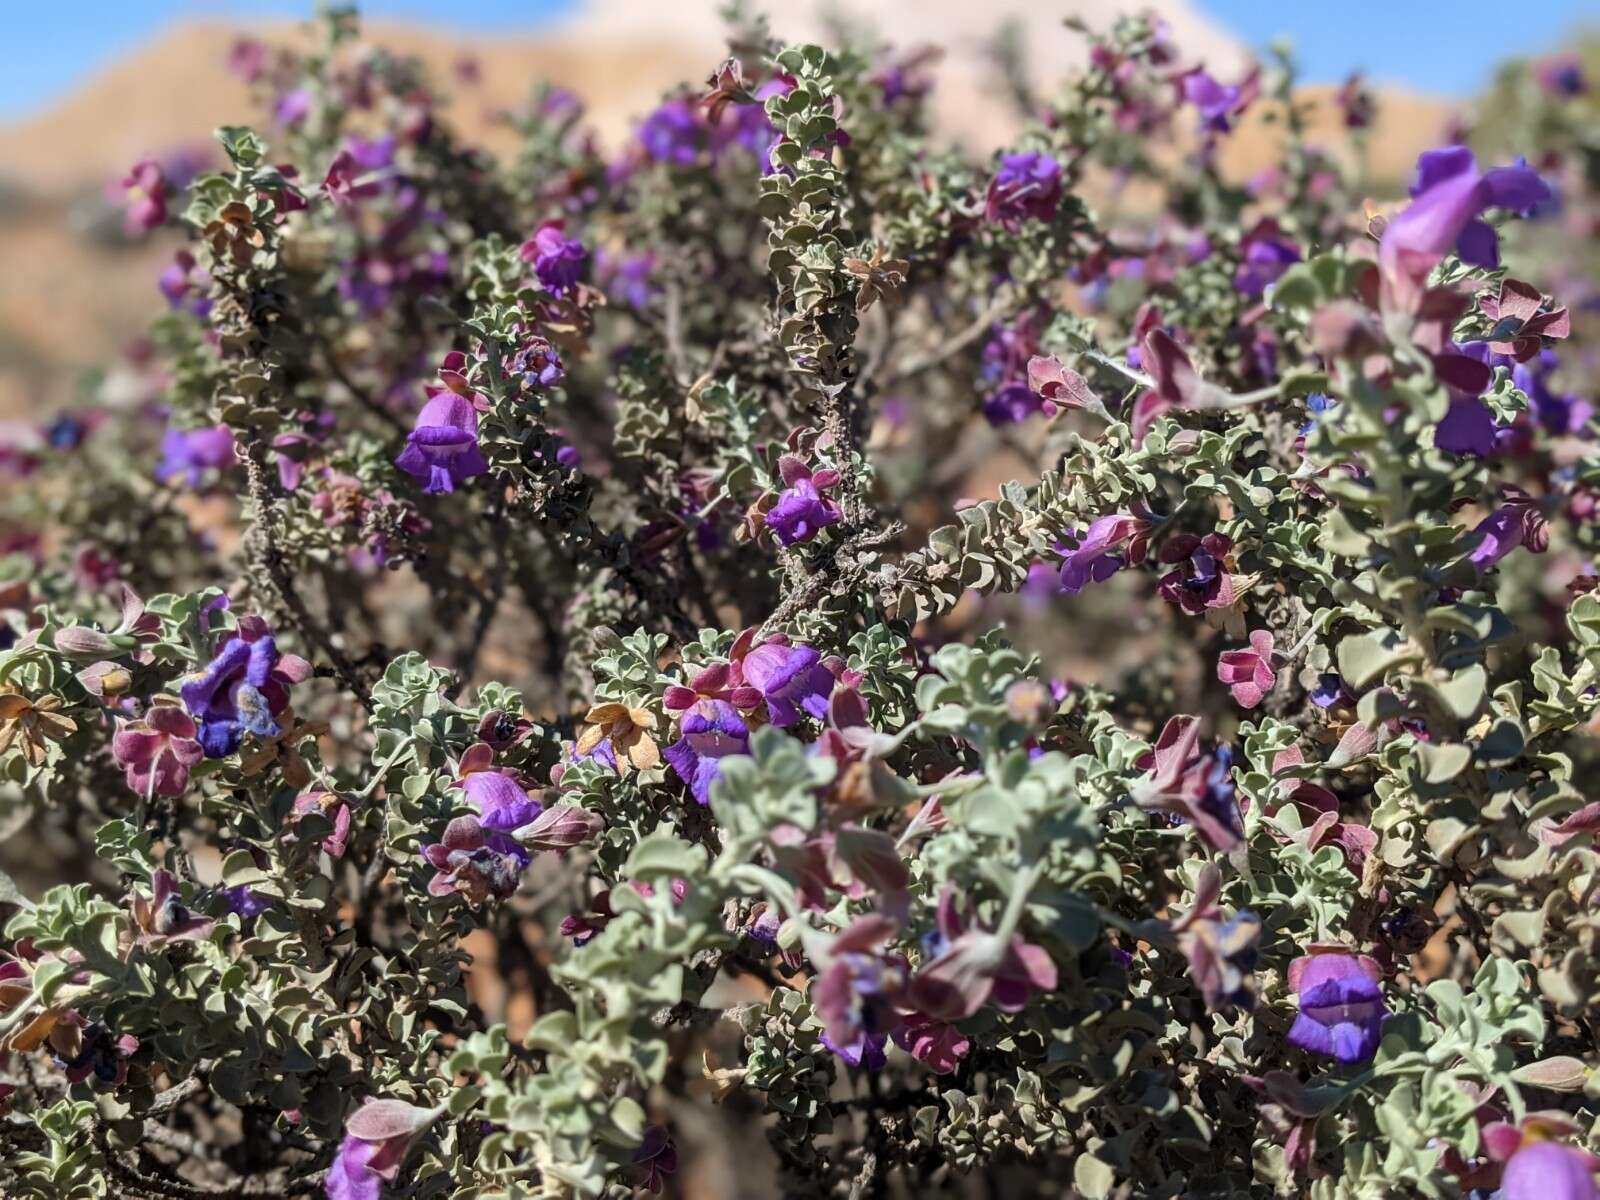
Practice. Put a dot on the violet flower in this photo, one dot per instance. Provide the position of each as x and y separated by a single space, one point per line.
1467 428
1217 103
1093 560
378 1136
244 901
1539 1163
157 752
802 510
866 1050
192 452
442 450
1341 1004
1026 187
1249 674
709 732
1011 404
243 689
673 134
557 259
1267 255
1449 196
1517 522
501 802
790 679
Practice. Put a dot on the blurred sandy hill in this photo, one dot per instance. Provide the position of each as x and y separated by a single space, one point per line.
73 291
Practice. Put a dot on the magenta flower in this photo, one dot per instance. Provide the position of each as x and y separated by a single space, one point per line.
935 1044
331 806
378 1136
192 452
1539 1165
972 966
157 753
147 189
710 732
790 679
1093 559
1026 187
1249 674
184 283
243 689
656 1158
1179 782
442 450
1562 74
557 259
1341 1003
1449 196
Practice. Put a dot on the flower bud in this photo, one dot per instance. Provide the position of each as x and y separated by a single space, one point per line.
1562 1073
79 641
559 828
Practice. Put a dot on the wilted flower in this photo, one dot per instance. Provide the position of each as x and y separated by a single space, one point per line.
628 731
161 917
158 752
1026 187
972 966
709 732
331 807
442 450
475 864
30 723
1221 951
1179 782
1341 1003
859 983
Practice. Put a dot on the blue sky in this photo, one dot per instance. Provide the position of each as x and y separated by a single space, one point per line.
1447 46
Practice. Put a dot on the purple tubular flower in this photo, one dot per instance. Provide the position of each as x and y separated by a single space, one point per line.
1026 187
1012 404
672 134
1265 260
1216 102
557 259
248 904
191 452
1093 560
789 678
1467 428
1449 196
442 450
227 696
867 1050
378 1136
1341 1004
801 513
501 804
711 731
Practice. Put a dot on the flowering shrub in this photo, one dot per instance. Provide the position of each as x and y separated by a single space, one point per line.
779 836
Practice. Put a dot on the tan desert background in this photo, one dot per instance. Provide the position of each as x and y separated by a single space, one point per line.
73 291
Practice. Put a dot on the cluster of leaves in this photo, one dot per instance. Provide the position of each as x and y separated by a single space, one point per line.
778 834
